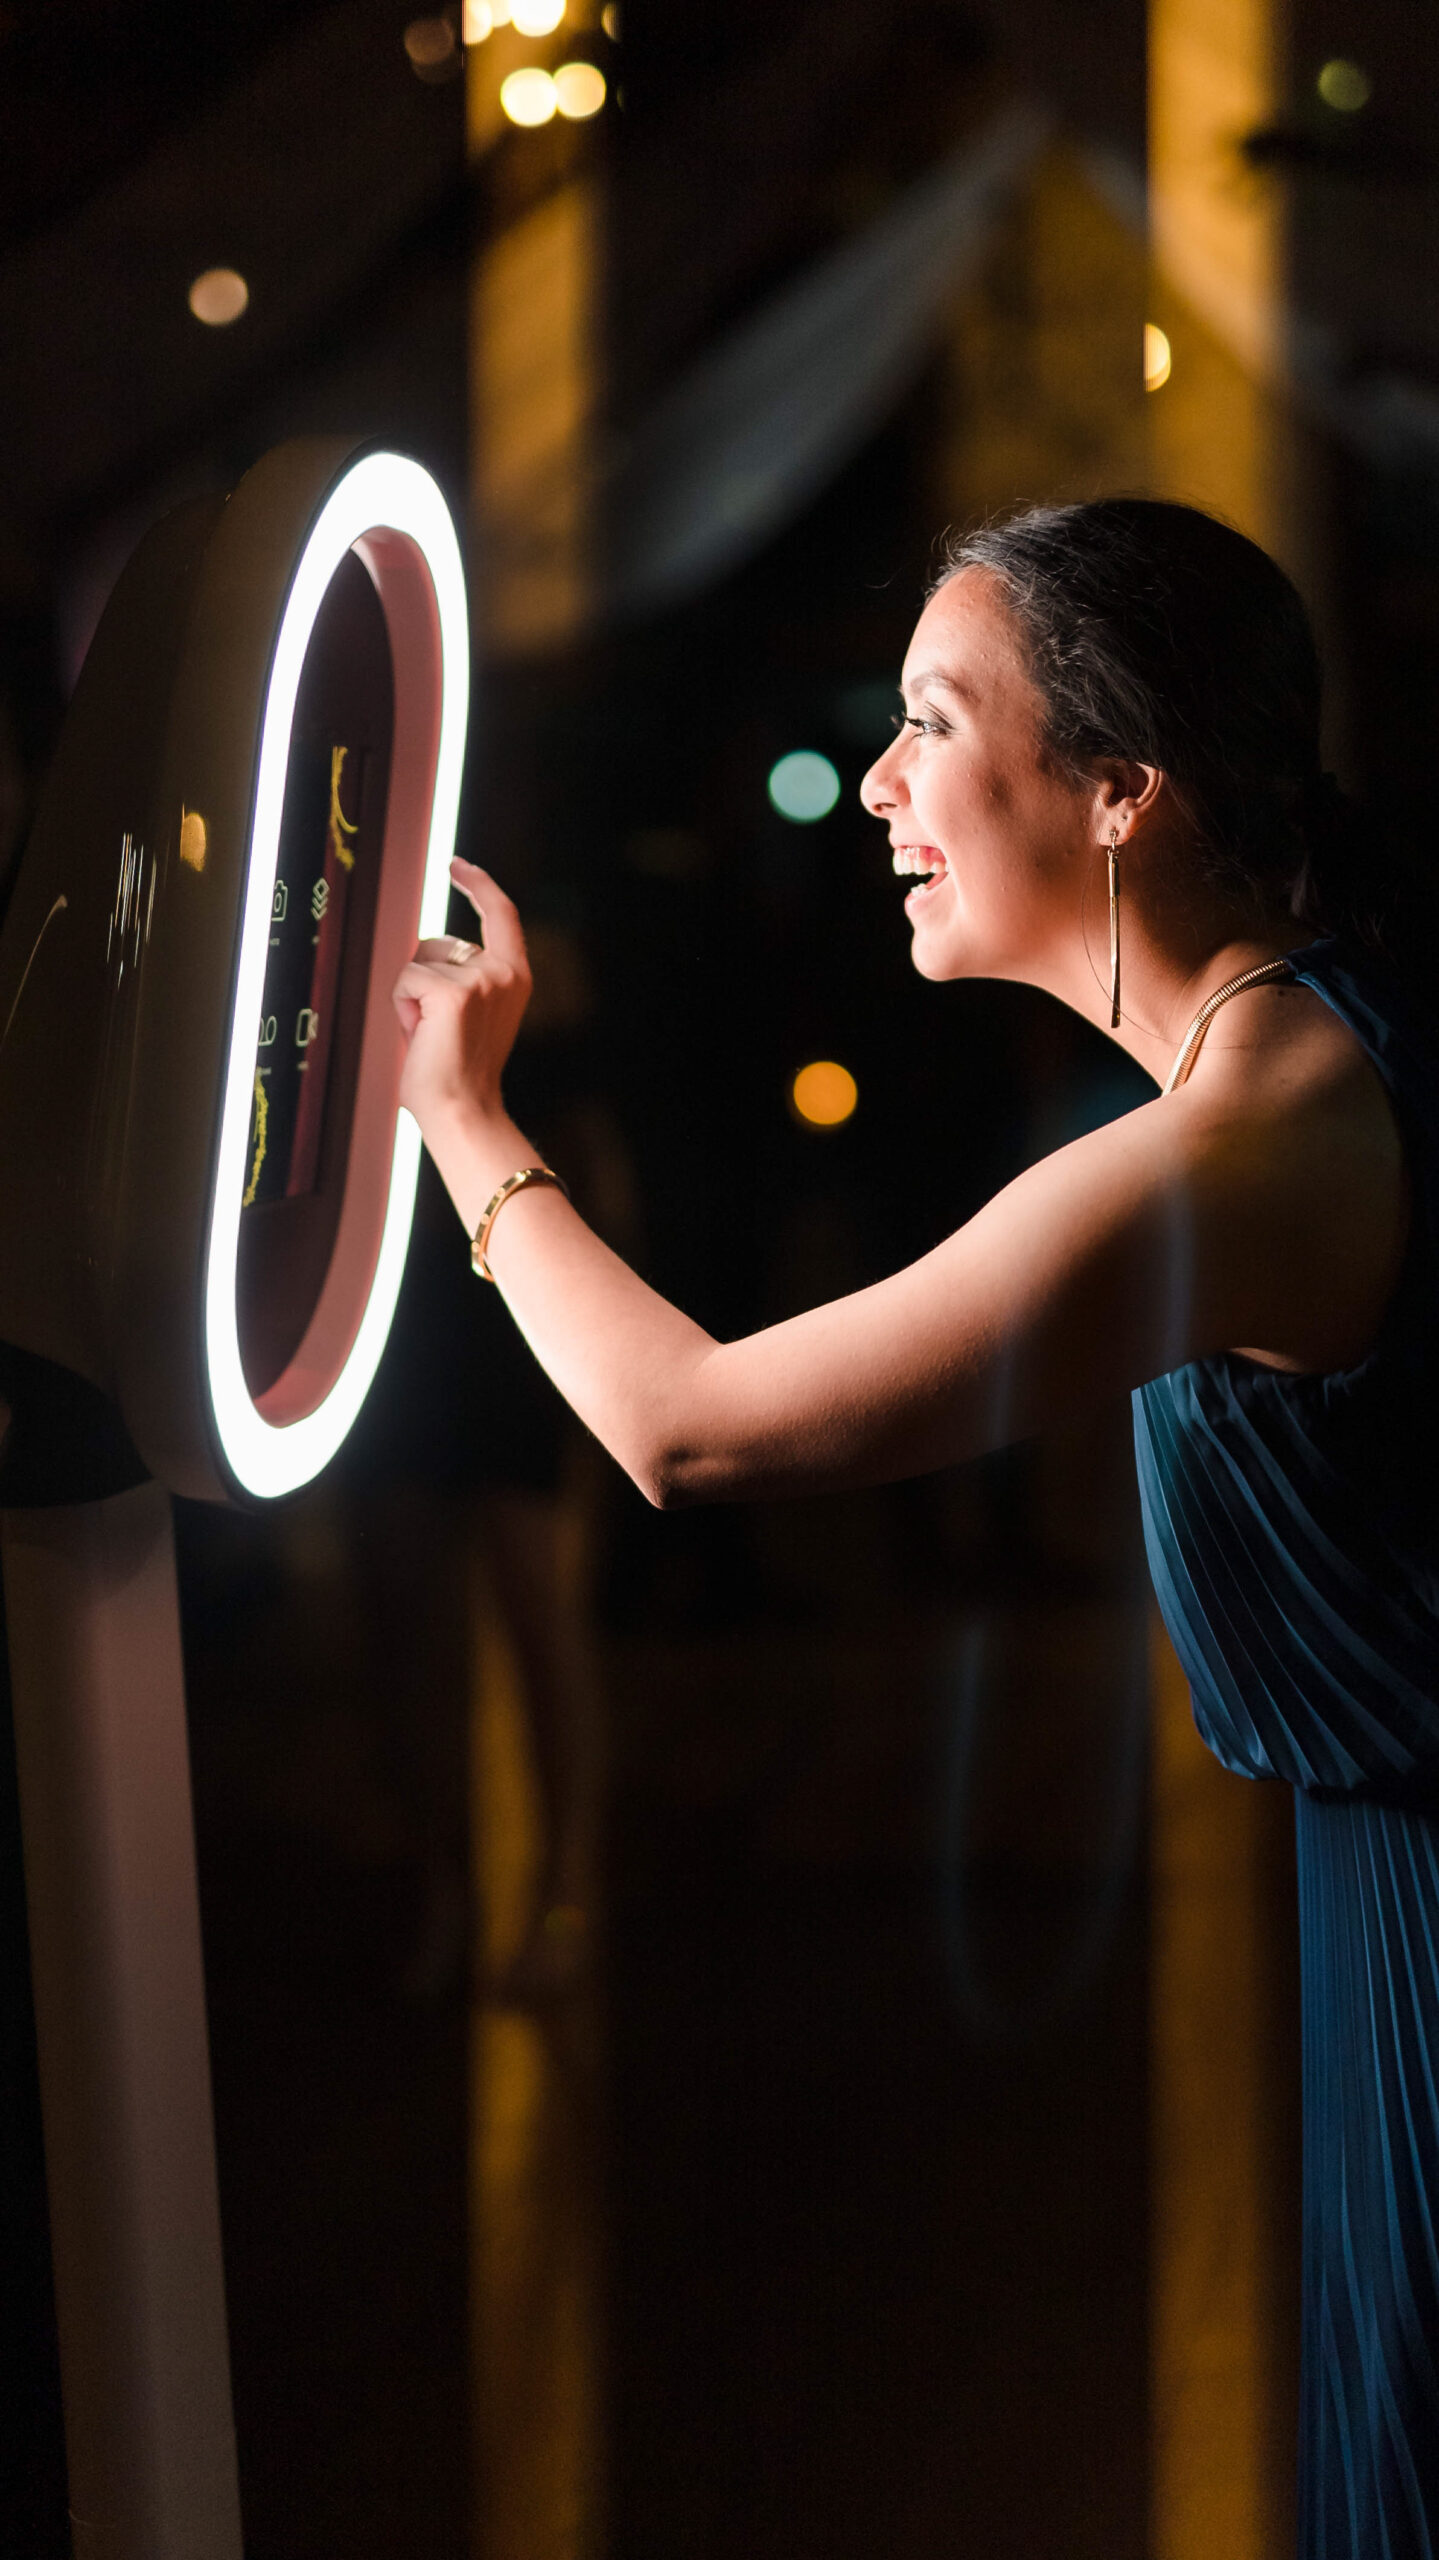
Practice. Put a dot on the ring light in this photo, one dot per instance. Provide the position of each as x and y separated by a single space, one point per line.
390 513
246 830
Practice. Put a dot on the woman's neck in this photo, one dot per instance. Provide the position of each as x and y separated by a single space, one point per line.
1170 965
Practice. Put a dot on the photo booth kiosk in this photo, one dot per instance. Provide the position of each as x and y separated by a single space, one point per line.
207 1187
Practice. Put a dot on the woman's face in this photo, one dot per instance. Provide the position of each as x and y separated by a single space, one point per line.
997 844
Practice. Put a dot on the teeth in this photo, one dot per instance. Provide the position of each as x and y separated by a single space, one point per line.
917 861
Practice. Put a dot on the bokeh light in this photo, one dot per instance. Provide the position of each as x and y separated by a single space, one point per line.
824 1094
804 786
478 21
429 42
580 89
219 296
536 17
1345 85
529 96
610 20
1158 360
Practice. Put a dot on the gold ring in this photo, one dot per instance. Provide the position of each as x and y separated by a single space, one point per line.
459 952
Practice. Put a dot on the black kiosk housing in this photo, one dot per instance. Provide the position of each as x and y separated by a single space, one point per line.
208 1186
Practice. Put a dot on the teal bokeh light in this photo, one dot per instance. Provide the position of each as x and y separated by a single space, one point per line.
804 786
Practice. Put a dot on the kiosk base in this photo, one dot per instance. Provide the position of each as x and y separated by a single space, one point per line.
103 1764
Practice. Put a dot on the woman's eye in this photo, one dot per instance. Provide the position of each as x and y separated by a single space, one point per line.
917 720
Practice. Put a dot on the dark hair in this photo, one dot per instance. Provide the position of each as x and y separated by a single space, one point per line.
1156 632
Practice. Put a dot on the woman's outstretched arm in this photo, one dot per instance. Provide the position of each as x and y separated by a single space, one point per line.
1182 1229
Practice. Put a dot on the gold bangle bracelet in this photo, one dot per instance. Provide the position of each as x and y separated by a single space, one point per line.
517 1182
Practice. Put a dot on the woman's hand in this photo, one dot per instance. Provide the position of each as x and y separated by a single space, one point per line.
460 1005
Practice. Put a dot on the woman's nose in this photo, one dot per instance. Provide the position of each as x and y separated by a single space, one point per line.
878 789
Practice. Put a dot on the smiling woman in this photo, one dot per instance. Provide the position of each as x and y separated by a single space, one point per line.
968 770
1110 737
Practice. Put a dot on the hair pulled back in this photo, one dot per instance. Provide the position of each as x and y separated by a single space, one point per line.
1154 632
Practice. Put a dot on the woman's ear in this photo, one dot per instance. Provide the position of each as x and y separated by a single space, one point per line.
1126 794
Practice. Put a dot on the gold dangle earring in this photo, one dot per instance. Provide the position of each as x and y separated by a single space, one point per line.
1114 930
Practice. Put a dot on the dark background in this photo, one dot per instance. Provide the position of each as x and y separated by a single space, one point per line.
864 2074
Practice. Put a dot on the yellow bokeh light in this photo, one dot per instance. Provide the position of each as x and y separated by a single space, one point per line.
824 1094
536 17
1346 86
478 21
529 96
1158 361
219 296
610 21
580 89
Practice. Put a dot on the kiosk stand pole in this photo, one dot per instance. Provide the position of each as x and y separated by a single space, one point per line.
103 1765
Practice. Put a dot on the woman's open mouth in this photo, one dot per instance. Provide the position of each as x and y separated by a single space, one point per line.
925 865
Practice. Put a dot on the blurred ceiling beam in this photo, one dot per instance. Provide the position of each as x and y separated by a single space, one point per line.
753 431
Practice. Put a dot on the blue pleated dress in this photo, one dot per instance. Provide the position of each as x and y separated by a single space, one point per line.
1293 1534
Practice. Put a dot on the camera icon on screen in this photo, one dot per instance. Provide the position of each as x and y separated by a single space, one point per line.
306 1026
279 903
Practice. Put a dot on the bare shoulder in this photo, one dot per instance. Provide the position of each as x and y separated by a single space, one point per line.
1287 1133
1262 1209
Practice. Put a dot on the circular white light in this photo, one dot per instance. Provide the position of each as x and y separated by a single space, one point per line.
529 96
219 296
477 22
381 490
537 17
1158 358
580 89
804 786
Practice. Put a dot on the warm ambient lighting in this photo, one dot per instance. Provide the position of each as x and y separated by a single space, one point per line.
824 1094
381 489
803 787
610 21
1158 362
219 296
580 89
1346 86
536 17
529 96
477 21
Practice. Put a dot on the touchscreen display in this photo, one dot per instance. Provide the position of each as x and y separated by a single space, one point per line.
317 972
320 847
